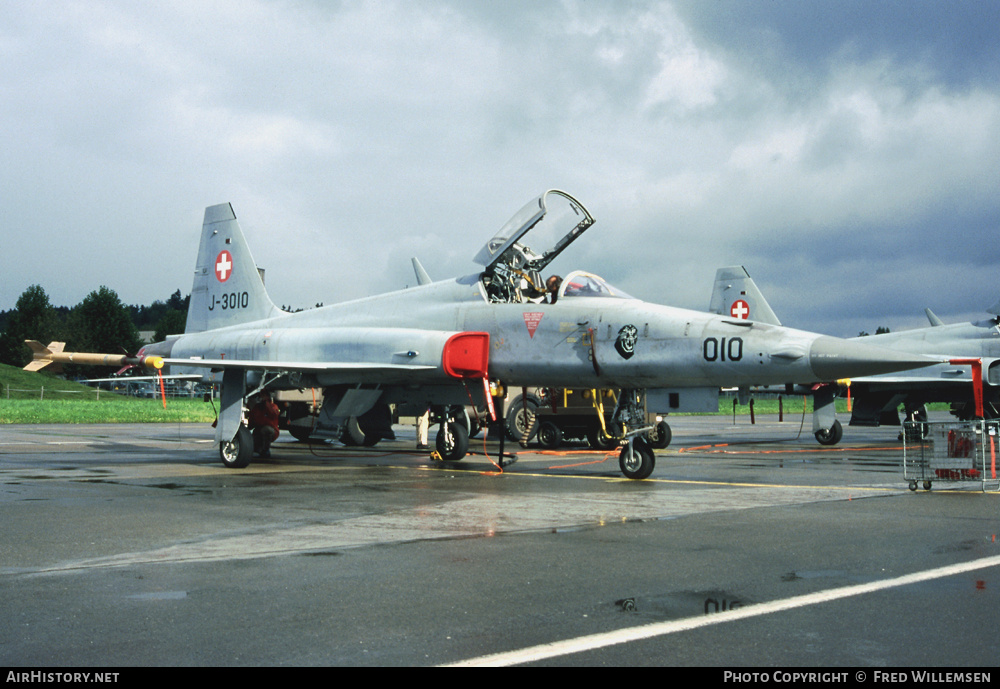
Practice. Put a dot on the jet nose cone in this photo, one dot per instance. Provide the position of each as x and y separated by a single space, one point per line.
832 359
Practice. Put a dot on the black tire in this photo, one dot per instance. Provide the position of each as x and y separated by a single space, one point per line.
300 433
549 435
352 435
597 440
521 421
375 425
830 436
661 435
637 459
237 453
452 445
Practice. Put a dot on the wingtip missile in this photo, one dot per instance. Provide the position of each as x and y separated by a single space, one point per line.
53 353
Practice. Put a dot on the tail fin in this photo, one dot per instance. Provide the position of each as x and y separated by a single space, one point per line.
227 289
736 295
40 354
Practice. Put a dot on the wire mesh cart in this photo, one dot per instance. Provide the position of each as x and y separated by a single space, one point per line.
951 451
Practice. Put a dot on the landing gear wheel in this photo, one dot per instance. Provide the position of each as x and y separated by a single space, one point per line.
352 435
831 435
660 436
522 416
452 441
599 441
549 435
300 433
237 453
913 486
927 485
637 459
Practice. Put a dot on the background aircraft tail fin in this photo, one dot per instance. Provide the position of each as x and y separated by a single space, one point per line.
422 277
228 288
995 309
735 295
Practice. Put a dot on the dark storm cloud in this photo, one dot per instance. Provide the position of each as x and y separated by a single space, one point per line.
956 40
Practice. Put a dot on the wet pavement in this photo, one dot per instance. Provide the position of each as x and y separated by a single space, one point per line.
750 545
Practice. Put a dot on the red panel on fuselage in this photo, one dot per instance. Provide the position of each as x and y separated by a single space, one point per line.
466 355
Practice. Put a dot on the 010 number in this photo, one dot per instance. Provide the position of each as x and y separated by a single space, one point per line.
725 349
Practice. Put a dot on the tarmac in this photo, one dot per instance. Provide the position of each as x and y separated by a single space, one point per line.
749 546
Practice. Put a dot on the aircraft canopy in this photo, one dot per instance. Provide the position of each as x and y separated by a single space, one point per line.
581 284
554 219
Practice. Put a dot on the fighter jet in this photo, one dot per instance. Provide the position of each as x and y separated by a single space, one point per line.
876 399
442 344
960 348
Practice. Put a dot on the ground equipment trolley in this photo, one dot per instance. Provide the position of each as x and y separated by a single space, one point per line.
951 451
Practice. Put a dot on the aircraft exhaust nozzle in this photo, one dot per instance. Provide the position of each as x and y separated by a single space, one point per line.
833 359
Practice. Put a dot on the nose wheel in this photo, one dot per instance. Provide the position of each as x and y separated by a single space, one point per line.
637 459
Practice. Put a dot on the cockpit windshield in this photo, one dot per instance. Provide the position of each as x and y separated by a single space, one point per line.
581 284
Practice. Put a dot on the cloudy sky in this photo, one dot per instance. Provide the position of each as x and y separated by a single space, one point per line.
846 152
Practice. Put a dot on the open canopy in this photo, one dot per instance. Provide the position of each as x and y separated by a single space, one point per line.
554 219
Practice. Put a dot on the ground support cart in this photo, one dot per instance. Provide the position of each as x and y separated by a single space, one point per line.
951 451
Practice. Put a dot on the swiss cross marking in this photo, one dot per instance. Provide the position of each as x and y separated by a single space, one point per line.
223 266
740 309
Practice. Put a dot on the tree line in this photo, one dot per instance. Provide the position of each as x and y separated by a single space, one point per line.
99 323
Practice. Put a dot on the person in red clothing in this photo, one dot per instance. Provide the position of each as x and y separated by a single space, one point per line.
264 424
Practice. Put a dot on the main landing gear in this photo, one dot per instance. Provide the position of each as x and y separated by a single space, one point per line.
237 453
830 436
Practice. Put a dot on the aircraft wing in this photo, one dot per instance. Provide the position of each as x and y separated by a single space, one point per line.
135 379
314 366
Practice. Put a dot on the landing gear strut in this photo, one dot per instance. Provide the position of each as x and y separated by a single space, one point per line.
637 458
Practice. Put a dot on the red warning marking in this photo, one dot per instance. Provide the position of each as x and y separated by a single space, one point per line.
532 319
